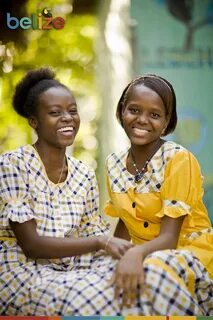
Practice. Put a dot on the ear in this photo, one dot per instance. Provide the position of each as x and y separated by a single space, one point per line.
33 122
163 131
166 125
123 107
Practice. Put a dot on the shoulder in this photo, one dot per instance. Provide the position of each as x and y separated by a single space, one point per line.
14 168
82 177
173 152
171 148
16 158
116 159
81 168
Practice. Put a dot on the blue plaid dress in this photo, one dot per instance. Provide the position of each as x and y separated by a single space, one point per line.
70 209
73 285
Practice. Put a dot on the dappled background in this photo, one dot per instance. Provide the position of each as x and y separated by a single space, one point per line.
70 51
91 55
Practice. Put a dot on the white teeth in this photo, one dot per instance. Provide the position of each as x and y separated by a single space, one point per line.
66 129
141 130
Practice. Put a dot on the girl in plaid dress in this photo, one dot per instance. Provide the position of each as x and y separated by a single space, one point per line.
55 249
155 190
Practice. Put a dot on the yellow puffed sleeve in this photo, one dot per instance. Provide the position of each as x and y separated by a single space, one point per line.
182 187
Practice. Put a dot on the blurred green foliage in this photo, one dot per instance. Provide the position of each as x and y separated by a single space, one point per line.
70 51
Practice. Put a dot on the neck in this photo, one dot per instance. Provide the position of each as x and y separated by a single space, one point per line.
142 153
54 161
50 155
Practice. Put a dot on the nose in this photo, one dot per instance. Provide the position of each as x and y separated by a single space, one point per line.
142 118
66 116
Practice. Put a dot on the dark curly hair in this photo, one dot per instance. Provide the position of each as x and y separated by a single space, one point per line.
162 87
28 90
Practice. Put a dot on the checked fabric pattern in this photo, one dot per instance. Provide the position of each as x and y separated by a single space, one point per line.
171 186
76 286
121 180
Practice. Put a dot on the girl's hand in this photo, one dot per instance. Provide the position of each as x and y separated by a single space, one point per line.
129 276
115 247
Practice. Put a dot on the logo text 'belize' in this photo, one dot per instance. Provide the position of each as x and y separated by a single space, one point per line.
41 21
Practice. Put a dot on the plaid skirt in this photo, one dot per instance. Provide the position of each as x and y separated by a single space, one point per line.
176 283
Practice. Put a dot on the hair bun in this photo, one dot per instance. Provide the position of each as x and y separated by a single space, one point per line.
22 89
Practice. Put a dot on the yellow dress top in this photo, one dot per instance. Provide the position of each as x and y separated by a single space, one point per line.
171 186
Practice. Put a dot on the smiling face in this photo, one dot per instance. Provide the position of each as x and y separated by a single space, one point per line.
144 116
56 120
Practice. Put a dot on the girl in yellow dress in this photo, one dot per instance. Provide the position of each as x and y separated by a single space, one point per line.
155 190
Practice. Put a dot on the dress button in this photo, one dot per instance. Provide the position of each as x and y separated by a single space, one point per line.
145 224
133 204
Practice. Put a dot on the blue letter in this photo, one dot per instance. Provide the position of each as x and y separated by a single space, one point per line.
9 19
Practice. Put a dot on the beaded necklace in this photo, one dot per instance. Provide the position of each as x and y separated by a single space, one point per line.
140 173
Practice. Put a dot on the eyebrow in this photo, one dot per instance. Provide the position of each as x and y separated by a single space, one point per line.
74 104
137 105
131 104
157 109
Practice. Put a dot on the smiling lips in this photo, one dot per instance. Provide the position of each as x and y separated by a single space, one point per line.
140 131
66 131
